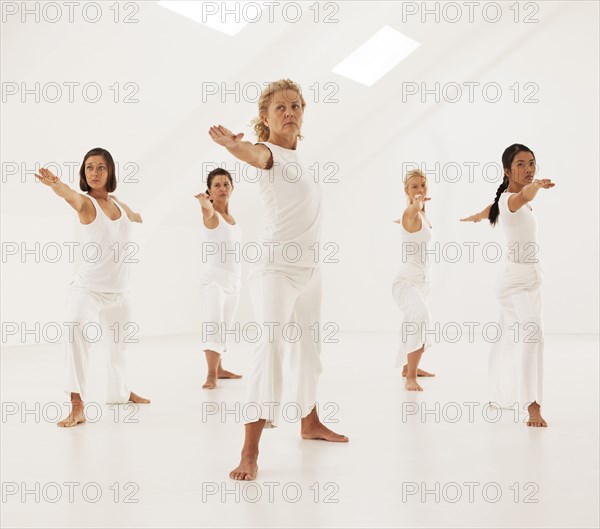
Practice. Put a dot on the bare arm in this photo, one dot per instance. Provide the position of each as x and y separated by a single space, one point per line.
410 218
482 215
255 155
527 194
131 215
208 211
76 200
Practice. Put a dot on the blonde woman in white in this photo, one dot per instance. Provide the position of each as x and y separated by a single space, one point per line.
284 289
221 272
516 359
411 284
98 293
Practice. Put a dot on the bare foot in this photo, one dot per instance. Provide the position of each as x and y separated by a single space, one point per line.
411 385
420 372
227 374
211 382
535 416
312 428
74 418
320 432
247 469
137 399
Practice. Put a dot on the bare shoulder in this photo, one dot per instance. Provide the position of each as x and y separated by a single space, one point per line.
264 158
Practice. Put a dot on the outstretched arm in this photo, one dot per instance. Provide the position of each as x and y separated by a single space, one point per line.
528 193
256 155
208 211
76 200
131 215
410 218
482 215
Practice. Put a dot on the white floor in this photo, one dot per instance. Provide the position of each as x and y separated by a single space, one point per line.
402 468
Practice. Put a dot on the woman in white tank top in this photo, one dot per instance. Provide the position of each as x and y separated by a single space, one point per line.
515 363
98 293
285 287
221 272
411 284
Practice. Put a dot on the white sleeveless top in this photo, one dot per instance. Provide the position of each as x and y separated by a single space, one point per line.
106 253
292 211
221 253
520 229
415 263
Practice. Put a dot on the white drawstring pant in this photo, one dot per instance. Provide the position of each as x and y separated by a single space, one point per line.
411 296
516 359
219 304
97 317
288 299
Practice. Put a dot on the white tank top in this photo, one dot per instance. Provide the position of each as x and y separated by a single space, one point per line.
415 263
221 253
292 211
106 253
520 229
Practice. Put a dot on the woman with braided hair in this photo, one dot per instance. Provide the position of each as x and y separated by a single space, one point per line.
515 363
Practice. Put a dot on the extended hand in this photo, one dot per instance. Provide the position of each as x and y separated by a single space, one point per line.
544 183
224 136
204 200
418 201
472 218
47 178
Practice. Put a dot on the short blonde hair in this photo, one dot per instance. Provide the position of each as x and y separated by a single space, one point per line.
260 129
411 174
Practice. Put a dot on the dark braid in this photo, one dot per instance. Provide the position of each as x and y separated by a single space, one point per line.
495 209
507 158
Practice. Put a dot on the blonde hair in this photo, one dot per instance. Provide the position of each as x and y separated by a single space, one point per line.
411 174
260 129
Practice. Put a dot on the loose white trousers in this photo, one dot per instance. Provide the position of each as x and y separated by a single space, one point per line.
411 296
287 308
219 304
97 317
516 359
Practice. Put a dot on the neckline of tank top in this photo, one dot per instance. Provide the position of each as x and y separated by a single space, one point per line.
278 146
424 221
527 203
220 215
95 202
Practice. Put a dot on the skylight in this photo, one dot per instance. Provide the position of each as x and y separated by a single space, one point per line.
377 56
228 17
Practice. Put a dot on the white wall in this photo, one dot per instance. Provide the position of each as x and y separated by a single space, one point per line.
369 133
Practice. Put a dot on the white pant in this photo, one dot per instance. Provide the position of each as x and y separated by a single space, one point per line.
283 295
218 307
515 363
97 316
411 296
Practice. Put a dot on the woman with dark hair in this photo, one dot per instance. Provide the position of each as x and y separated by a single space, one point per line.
515 364
285 289
221 273
98 293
